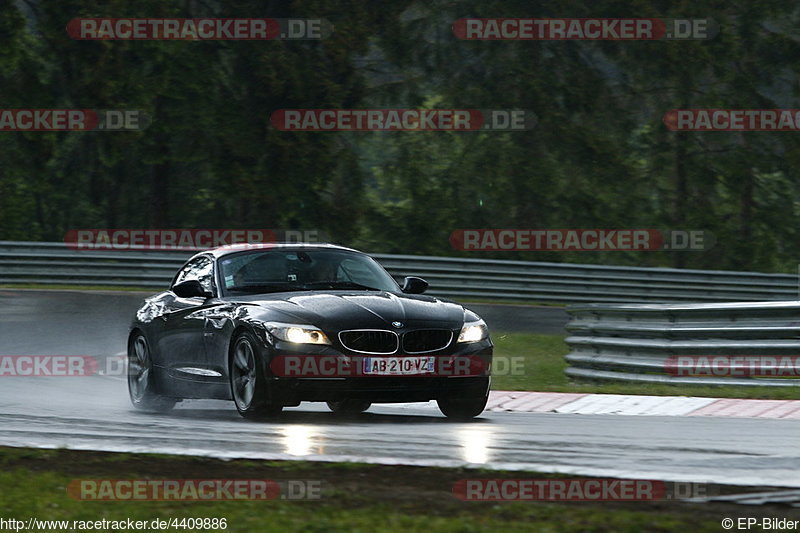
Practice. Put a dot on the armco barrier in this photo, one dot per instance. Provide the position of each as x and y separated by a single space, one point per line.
633 342
55 263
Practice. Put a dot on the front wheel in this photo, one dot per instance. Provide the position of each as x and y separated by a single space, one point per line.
462 408
248 383
348 407
141 378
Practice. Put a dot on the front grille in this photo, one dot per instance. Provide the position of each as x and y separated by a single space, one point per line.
375 341
426 340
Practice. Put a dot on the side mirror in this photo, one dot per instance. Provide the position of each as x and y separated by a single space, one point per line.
190 289
414 285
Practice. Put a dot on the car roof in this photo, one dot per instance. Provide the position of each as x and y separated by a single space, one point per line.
242 247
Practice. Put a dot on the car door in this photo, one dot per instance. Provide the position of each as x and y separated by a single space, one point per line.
180 344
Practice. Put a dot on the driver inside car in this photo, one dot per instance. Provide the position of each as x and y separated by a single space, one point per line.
323 270
240 277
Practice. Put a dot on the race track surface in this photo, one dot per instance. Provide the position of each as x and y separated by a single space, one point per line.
94 413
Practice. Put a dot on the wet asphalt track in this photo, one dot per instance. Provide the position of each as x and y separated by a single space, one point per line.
93 413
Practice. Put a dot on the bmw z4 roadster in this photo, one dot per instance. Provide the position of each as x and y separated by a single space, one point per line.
270 326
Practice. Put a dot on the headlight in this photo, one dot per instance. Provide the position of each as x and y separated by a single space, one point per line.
473 332
298 334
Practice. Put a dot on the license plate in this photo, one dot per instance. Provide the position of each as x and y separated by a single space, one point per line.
398 366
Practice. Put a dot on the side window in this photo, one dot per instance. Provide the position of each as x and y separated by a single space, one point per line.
200 269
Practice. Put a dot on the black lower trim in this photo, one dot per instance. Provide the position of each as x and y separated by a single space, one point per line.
377 389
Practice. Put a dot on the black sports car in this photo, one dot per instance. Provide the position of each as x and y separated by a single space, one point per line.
269 326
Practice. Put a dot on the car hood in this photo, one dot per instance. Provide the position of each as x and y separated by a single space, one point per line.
340 310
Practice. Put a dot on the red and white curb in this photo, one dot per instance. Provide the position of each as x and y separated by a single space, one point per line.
619 404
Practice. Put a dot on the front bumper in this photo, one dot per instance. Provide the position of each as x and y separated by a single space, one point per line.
383 389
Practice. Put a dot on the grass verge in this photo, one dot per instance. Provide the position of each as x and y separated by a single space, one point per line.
354 498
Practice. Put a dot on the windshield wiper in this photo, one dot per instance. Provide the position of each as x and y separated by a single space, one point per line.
340 285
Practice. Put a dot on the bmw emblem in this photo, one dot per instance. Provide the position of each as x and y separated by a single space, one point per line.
397 324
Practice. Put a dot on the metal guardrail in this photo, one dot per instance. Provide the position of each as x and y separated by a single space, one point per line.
55 263
608 342
634 342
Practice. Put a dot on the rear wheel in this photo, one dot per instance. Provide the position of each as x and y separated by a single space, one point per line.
248 383
462 408
348 407
141 378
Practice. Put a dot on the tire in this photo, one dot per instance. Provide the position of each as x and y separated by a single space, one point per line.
141 382
348 407
462 408
247 380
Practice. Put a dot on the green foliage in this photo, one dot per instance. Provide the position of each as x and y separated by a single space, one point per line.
599 156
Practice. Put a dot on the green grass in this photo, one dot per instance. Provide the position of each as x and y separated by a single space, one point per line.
359 498
543 370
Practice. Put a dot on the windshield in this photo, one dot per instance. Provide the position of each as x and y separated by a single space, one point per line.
302 270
